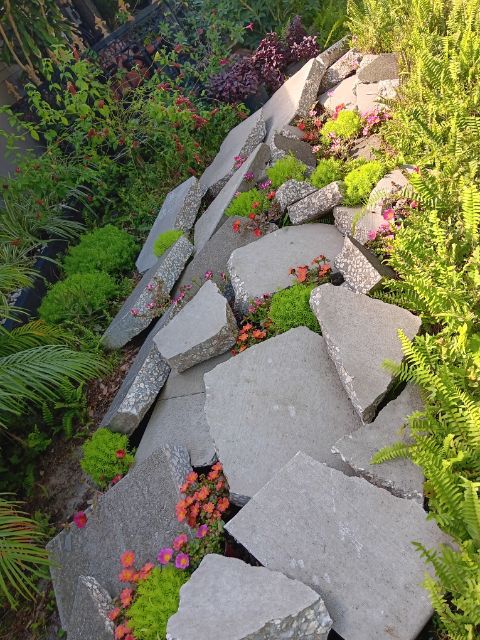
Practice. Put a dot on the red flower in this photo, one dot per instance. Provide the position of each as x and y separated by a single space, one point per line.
117 478
301 126
252 216
127 559
101 104
271 195
236 226
257 233
80 519
120 454
114 613
249 26
224 61
126 598
178 48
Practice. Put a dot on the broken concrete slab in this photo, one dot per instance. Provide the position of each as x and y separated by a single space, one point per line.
339 70
370 96
178 211
271 400
190 382
316 205
89 619
292 191
239 143
134 315
344 316
379 67
349 541
341 93
392 183
205 327
263 267
334 52
366 147
357 222
362 270
294 98
290 140
137 513
211 218
401 477
253 603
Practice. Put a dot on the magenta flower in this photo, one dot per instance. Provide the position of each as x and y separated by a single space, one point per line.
180 541
249 176
149 286
208 275
388 214
249 26
202 531
372 235
80 519
182 561
165 555
135 312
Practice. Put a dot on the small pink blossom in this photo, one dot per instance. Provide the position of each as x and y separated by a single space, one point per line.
208 275
135 312
201 531
165 555
80 519
180 541
249 26
388 214
372 235
182 561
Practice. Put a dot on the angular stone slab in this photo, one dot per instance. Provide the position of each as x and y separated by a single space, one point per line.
388 185
204 328
361 333
334 52
271 400
348 540
89 619
290 140
362 270
377 68
316 205
263 267
356 222
292 191
252 603
366 147
178 211
167 269
294 98
138 513
341 93
341 69
401 477
370 95
210 219
241 141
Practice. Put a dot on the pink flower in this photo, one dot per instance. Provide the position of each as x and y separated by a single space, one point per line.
149 287
249 176
372 235
80 519
202 531
249 26
414 204
135 312
180 541
182 561
388 214
224 61
208 275
165 555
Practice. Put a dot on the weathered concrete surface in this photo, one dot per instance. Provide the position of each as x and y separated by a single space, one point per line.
362 270
167 270
89 619
204 328
366 147
210 219
370 96
178 211
241 141
334 52
348 540
252 603
292 191
137 513
361 333
356 222
379 67
341 93
341 69
270 401
263 267
290 140
317 204
391 183
401 477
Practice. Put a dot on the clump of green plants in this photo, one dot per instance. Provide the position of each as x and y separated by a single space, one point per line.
165 240
253 201
107 249
81 296
328 170
106 457
156 600
290 308
359 182
346 126
287 168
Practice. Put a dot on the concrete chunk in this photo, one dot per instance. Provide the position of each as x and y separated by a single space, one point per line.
379 67
341 93
292 191
263 267
316 205
252 603
204 328
334 52
271 400
178 211
392 183
401 477
361 333
290 140
341 69
362 270
89 619
357 222
370 96
349 541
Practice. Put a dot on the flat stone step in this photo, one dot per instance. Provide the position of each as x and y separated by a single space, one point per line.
138 513
263 267
89 619
252 603
272 400
204 328
316 205
360 334
349 541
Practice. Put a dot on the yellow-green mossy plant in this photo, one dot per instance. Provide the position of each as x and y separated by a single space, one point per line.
360 181
165 240
106 456
328 170
290 308
346 126
252 201
287 168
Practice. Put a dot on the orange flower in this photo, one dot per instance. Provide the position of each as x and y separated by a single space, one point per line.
146 569
257 334
223 504
203 493
209 507
242 337
126 575
114 613
184 487
192 477
121 631
127 559
217 466
242 348
247 327
301 273
126 597
220 484
189 500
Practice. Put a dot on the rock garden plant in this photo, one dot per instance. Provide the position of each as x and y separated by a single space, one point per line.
106 457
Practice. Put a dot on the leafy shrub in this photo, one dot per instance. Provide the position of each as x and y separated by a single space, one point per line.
360 181
290 308
81 296
106 456
107 249
245 203
157 598
328 170
235 81
165 240
287 168
346 126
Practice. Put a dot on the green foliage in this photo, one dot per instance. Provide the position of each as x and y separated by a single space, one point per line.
290 308
81 295
377 25
287 168
100 460
247 202
157 598
346 126
328 170
165 240
360 181
105 249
